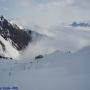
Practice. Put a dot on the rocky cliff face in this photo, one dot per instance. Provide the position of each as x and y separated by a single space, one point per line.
19 37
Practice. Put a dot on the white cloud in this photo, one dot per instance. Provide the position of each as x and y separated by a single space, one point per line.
60 2
50 12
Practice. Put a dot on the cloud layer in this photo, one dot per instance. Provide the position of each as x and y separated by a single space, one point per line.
45 12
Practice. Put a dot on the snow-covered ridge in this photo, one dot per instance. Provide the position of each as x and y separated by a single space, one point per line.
18 39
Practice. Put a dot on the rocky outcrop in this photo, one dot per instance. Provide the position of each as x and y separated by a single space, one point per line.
18 37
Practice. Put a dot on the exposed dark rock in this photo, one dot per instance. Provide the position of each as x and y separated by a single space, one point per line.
39 57
3 46
2 57
19 37
81 24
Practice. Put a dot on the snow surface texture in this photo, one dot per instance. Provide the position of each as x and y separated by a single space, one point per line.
58 71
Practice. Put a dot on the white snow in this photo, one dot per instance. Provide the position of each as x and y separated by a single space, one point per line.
65 69
58 71
10 50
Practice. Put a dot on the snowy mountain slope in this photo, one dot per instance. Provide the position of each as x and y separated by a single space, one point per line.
60 71
65 69
14 40
28 44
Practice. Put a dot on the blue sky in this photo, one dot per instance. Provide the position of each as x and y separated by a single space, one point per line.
45 13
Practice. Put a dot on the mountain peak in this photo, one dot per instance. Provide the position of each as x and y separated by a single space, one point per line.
8 31
1 17
3 22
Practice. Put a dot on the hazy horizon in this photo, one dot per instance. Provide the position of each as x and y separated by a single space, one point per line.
45 13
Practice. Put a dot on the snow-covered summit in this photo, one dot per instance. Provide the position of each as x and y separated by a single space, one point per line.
17 38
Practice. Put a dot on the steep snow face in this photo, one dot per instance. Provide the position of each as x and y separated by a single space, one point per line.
9 51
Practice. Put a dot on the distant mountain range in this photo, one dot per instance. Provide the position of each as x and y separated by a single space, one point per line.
80 24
